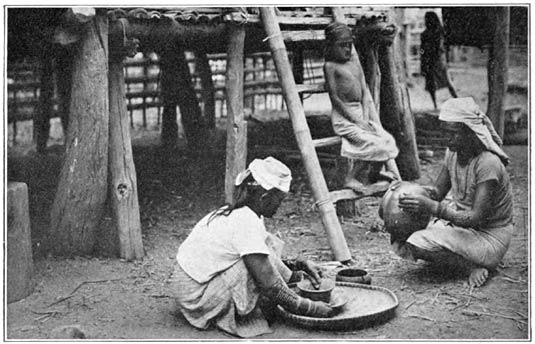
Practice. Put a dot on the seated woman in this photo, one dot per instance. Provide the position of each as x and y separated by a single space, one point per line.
230 262
354 117
473 232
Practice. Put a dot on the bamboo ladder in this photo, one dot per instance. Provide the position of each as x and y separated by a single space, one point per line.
324 199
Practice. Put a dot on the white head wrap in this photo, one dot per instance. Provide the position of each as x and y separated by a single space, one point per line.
465 110
269 173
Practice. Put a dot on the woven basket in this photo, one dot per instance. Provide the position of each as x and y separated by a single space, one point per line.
368 306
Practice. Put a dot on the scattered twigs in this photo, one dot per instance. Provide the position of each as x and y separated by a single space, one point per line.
469 296
511 280
410 304
421 317
60 300
71 294
478 313
45 315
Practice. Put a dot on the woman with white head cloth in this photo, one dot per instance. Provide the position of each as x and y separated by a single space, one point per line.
475 230
229 262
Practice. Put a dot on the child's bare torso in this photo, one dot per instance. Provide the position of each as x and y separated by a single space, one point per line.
348 81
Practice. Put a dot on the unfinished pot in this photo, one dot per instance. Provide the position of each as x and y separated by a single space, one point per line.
399 223
306 289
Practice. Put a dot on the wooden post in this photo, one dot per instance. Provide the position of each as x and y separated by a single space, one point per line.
298 68
79 202
208 90
396 115
190 112
304 139
64 84
497 68
122 172
169 81
41 121
236 125
19 243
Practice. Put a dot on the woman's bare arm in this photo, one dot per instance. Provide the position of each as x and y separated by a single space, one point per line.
273 287
480 209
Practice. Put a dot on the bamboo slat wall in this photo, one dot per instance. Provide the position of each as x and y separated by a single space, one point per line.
142 76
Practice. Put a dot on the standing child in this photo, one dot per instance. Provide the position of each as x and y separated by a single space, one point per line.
354 117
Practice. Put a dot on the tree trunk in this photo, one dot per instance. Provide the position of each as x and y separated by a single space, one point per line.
42 120
81 193
122 172
208 90
497 69
396 115
236 125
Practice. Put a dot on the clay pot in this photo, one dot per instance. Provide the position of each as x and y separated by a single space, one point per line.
353 276
399 223
322 294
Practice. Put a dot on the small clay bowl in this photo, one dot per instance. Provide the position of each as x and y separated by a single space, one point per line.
322 294
353 275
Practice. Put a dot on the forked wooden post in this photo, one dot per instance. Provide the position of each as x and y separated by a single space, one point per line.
122 172
303 137
236 125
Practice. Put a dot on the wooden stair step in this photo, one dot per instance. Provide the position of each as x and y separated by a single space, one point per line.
311 88
376 189
326 141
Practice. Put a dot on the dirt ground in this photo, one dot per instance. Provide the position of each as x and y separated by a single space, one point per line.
113 299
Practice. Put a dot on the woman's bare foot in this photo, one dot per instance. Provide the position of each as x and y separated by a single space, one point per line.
478 276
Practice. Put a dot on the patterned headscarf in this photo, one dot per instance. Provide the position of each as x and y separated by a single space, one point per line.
269 173
465 110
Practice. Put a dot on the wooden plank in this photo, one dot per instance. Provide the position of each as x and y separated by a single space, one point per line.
302 36
326 208
344 194
236 125
297 19
327 141
311 88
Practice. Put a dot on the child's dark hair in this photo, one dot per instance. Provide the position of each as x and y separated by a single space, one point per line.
243 194
332 32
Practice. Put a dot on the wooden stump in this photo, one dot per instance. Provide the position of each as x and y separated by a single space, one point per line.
19 244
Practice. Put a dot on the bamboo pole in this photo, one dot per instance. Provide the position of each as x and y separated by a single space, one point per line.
236 125
303 137
122 172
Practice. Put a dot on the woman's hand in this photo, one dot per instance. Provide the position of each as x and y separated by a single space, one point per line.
418 204
313 270
319 309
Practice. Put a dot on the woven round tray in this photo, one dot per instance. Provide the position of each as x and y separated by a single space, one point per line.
367 305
